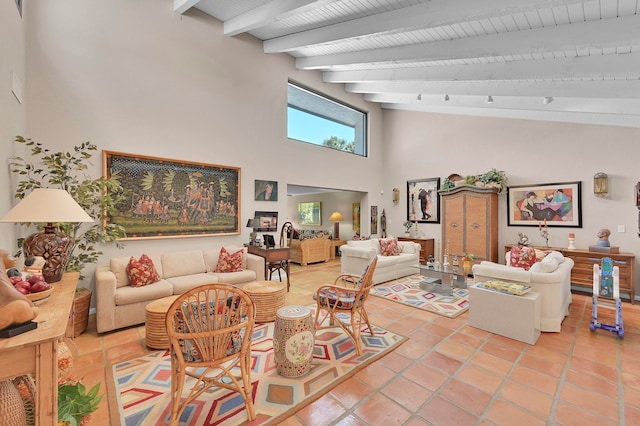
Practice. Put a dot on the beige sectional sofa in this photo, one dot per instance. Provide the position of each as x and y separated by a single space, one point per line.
118 304
357 254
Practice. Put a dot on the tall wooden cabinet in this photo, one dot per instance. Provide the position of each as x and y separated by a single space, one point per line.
470 222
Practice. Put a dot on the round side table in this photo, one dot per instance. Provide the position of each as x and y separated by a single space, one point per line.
293 340
268 297
155 335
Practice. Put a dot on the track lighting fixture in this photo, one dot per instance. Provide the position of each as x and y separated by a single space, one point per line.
489 99
446 98
547 100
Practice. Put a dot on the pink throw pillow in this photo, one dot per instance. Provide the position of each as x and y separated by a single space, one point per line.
523 257
229 262
389 247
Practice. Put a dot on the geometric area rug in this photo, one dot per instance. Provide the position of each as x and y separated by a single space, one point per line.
141 387
407 291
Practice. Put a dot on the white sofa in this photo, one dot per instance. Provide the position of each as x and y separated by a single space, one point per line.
357 254
551 278
118 304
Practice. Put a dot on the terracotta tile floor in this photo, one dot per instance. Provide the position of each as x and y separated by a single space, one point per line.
449 373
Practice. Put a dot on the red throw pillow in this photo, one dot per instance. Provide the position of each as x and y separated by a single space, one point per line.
389 247
523 257
142 272
229 262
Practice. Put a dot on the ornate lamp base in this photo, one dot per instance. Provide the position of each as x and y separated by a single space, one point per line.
54 246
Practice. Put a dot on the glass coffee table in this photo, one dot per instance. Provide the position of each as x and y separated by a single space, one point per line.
441 279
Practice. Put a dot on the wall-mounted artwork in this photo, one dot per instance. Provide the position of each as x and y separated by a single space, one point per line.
423 203
310 213
374 220
355 217
163 198
266 190
266 221
556 204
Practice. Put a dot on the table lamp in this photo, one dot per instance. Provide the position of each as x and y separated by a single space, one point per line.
50 206
251 224
336 217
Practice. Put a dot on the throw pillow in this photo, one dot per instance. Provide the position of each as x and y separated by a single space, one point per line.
389 247
141 271
229 262
523 257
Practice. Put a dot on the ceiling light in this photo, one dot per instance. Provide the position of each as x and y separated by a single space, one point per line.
419 97
489 99
547 100
446 98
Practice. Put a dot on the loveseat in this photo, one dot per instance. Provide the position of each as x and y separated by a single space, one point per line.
357 254
119 304
310 250
550 277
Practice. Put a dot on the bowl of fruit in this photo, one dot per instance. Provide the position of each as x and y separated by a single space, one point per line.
35 288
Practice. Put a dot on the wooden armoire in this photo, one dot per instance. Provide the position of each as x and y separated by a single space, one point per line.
470 222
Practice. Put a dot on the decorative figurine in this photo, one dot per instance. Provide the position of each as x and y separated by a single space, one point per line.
524 240
603 237
572 239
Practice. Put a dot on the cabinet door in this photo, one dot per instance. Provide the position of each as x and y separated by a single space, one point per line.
454 224
477 235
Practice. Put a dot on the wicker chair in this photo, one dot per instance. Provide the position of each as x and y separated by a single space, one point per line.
333 299
210 328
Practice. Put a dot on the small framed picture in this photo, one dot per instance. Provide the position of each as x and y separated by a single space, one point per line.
266 190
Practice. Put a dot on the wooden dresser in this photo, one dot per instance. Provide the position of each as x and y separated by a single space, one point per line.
426 246
582 272
470 222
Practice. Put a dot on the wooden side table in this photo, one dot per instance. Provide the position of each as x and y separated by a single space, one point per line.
268 297
155 333
272 255
36 350
335 246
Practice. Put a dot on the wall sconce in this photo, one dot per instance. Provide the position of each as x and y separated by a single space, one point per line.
396 195
600 184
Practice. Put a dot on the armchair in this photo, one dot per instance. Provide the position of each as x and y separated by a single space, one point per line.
332 300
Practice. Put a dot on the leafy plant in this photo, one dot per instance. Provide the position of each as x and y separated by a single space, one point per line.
75 403
495 177
407 225
98 197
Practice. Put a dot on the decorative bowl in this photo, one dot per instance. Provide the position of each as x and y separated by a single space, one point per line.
34 297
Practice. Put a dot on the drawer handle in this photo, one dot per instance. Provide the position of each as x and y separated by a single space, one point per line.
454 224
475 225
619 262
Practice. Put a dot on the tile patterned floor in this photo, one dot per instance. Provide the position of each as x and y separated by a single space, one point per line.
449 373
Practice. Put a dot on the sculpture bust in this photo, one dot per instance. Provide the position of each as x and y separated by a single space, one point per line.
603 237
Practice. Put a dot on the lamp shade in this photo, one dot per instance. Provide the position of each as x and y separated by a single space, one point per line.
46 205
336 217
250 223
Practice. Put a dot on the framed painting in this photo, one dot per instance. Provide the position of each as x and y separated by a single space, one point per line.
374 220
423 203
266 221
310 213
266 190
355 217
556 204
162 198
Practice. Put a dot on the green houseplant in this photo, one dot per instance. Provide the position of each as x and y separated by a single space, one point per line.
97 196
75 403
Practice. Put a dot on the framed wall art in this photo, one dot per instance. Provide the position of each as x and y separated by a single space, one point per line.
266 190
355 217
266 221
374 220
310 213
556 204
163 198
423 203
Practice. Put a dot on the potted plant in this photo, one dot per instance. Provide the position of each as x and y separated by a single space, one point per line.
97 196
75 404
407 226
467 262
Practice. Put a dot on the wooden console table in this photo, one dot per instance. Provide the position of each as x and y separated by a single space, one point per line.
426 246
272 255
582 272
36 350
335 246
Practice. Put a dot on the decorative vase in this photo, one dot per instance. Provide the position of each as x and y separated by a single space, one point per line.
407 234
466 266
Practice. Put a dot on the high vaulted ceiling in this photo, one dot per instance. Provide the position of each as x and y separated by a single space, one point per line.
558 60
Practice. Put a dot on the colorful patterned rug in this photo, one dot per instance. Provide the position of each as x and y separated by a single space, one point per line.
407 291
141 386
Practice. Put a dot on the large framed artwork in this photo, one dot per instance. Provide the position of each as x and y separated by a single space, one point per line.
266 190
423 203
266 221
165 198
556 204
310 213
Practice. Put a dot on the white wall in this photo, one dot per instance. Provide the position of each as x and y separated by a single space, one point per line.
421 145
12 112
134 77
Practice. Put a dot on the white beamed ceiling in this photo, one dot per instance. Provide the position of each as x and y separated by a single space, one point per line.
409 54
